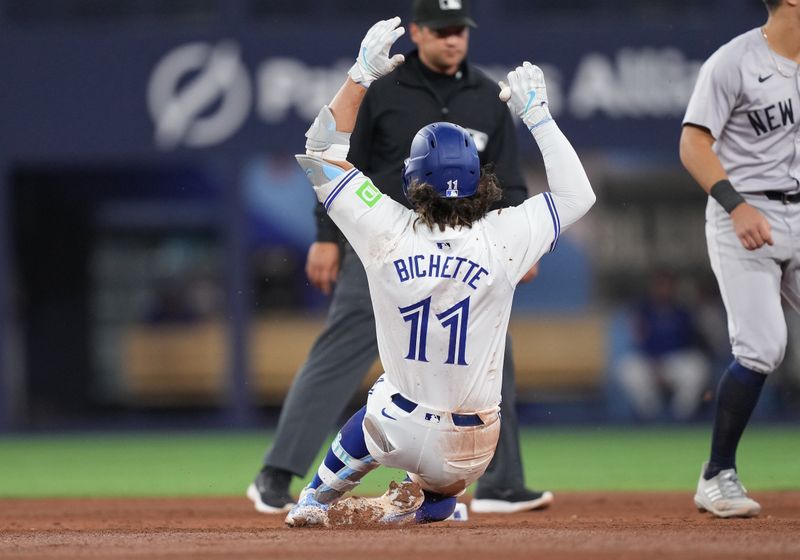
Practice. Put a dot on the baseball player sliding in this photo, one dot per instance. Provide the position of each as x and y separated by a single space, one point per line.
441 278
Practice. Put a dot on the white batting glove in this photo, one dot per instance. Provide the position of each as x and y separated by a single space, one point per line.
526 95
373 59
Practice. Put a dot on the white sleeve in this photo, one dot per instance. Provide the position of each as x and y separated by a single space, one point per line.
532 229
715 93
370 220
570 193
528 231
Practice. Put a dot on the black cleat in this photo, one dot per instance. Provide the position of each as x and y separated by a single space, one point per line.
269 492
509 501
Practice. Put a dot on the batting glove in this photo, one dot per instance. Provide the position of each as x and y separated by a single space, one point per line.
373 59
526 95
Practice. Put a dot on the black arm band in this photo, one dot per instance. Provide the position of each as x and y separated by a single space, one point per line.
724 193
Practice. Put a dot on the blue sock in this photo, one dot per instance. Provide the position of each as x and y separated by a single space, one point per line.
737 396
346 462
435 508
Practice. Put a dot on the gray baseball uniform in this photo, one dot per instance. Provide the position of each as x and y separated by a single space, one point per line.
748 97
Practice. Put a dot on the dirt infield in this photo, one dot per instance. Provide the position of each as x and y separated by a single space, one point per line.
578 525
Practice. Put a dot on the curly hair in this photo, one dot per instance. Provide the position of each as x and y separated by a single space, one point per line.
435 211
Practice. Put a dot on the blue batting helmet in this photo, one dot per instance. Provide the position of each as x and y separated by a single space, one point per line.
444 156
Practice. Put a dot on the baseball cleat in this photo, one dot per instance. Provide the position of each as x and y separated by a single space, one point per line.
724 495
308 512
269 492
398 505
509 501
401 501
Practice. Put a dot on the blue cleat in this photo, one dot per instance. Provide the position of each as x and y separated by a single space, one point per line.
308 512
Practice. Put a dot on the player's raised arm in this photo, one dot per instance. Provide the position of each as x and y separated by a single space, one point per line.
526 95
328 138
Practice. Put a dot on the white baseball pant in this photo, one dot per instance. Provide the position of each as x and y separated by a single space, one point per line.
440 451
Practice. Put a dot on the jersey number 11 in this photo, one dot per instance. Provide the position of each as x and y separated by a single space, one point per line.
455 318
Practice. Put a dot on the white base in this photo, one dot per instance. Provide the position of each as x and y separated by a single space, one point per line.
460 513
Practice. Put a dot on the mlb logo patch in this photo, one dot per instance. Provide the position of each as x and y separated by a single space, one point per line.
450 4
443 245
435 418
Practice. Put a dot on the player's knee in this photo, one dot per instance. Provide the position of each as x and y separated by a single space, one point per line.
765 353
778 353
766 360
435 508
774 353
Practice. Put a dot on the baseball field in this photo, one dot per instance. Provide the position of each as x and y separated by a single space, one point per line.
620 493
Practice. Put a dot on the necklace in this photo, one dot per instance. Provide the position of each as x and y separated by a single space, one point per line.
781 70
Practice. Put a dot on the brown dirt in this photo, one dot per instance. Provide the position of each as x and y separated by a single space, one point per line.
360 512
577 526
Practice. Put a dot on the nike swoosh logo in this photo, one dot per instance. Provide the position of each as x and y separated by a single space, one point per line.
387 416
764 79
531 97
367 65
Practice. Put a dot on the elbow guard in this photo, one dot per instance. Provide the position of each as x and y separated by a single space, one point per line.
318 171
323 140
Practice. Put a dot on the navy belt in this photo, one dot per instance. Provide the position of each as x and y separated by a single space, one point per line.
458 419
783 197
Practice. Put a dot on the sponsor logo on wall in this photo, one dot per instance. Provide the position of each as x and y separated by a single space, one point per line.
200 94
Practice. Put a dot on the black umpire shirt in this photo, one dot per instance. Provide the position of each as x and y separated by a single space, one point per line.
412 96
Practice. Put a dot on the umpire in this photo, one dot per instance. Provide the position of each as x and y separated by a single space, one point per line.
434 84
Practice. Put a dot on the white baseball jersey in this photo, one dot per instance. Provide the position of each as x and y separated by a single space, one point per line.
747 96
442 299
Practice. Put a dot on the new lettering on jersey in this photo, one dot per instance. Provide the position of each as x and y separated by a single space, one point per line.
442 299
751 109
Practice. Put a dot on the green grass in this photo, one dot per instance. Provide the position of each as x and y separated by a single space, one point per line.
223 463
